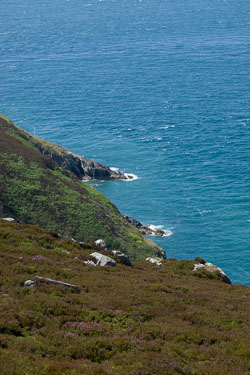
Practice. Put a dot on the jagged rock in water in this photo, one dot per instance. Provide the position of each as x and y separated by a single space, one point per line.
159 232
145 229
103 260
215 270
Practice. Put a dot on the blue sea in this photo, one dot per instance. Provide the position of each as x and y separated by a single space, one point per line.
156 88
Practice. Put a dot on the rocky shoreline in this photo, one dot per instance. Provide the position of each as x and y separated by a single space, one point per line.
81 167
147 229
84 169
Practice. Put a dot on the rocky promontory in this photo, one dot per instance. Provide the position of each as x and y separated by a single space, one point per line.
41 184
83 168
147 229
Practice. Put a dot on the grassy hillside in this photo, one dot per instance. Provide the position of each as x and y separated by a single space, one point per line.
140 320
35 189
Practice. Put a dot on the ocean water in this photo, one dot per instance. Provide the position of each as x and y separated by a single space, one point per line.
155 88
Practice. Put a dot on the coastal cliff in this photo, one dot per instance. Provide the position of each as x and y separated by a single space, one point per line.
77 294
83 168
40 183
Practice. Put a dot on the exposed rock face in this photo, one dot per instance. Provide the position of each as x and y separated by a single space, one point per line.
84 169
145 229
103 260
124 259
56 193
211 268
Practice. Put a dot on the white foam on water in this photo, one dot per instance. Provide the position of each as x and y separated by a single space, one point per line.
130 177
167 126
167 233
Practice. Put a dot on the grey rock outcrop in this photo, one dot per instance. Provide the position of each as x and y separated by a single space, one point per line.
29 283
214 270
124 259
145 229
90 263
84 169
103 260
57 282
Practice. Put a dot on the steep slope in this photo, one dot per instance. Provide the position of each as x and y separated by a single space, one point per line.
83 168
139 320
38 186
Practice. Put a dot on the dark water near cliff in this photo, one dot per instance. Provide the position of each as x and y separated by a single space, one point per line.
157 88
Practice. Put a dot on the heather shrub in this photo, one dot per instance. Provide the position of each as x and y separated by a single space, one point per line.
125 320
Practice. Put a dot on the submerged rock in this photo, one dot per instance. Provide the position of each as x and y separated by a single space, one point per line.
103 260
211 268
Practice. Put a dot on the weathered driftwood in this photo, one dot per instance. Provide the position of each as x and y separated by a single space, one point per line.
51 281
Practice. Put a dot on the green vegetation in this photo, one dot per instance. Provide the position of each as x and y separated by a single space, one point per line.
35 189
139 320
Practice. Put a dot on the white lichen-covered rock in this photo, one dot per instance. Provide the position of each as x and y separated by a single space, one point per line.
101 243
9 219
124 259
90 263
155 261
209 267
29 283
103 260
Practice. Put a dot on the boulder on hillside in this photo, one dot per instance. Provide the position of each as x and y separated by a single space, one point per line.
90 263
124 259
29 283
156 261
103 260
214 270
9 219
101 243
